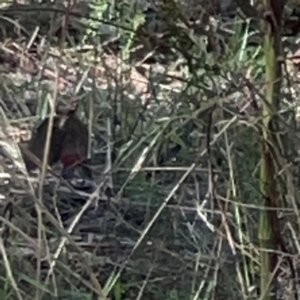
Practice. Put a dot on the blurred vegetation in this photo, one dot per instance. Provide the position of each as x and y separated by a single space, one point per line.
190 125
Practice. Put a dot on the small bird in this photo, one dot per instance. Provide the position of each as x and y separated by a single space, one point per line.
69 143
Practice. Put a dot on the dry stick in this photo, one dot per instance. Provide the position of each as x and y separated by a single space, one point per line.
91 111
42 178
90 126
8 269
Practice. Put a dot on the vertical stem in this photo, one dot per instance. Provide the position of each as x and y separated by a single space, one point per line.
272 13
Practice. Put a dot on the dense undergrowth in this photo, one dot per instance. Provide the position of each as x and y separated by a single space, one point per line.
173 101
